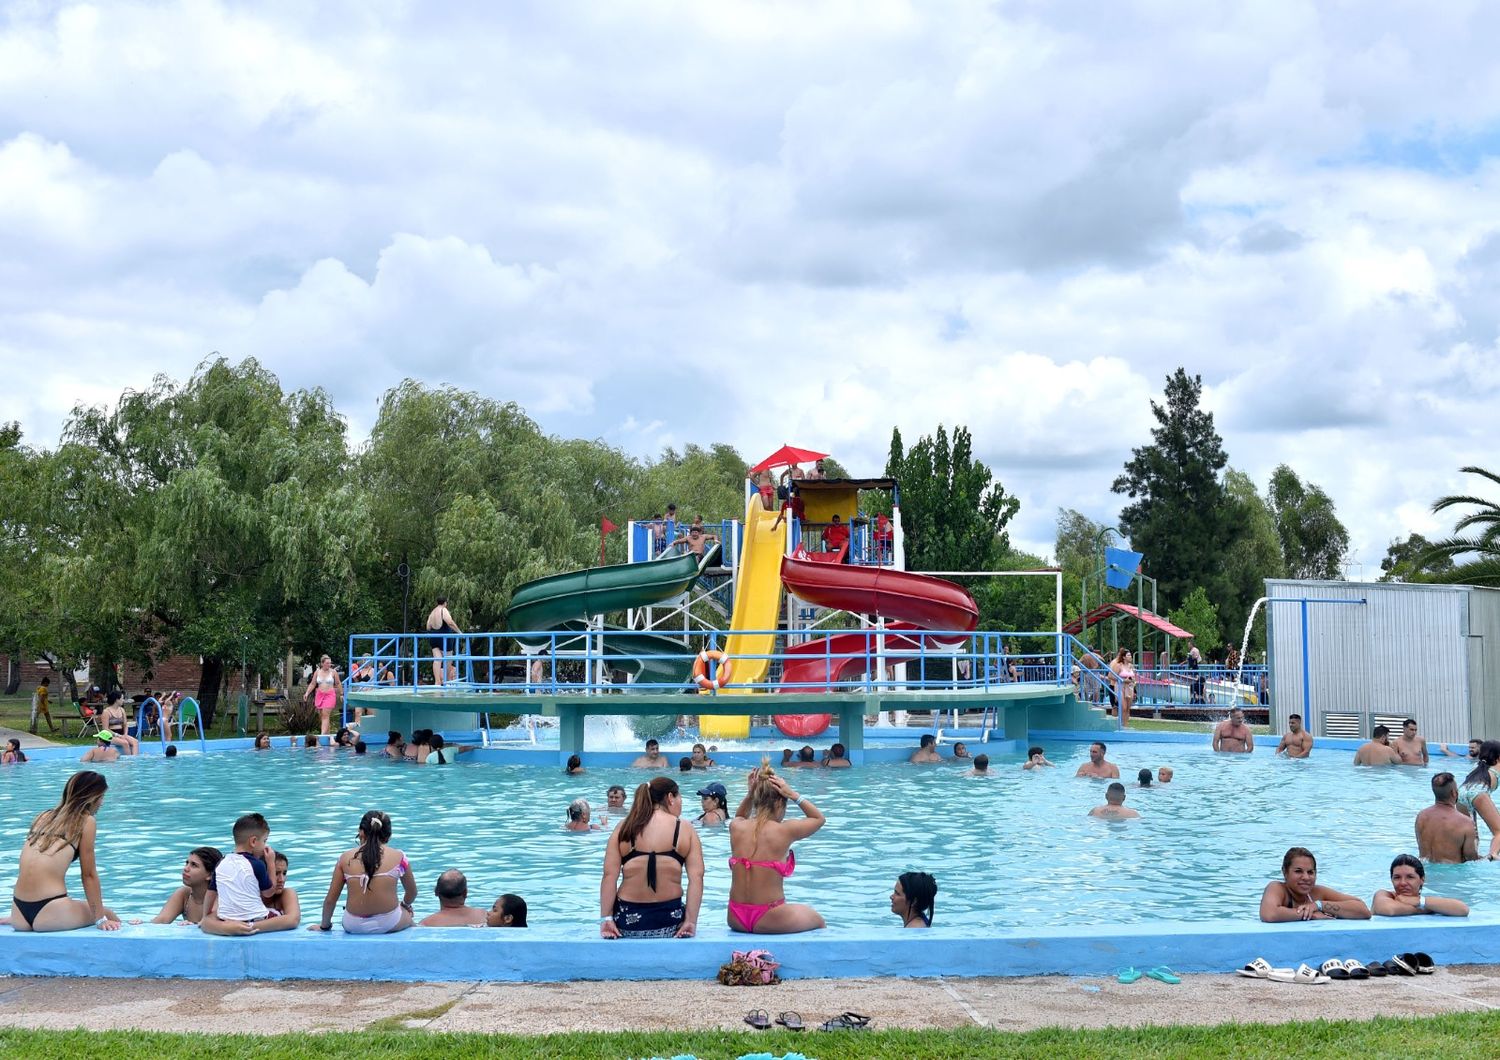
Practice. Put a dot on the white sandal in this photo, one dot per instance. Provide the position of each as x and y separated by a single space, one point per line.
1303 976
1260 968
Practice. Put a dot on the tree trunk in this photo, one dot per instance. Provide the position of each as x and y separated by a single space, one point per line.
209 681
12 675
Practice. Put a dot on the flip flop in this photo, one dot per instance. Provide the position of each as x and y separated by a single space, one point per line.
792 1021
1164 975
1260 968
1355 969
847 1021
1334 969
758 1019
1128 975
1376 970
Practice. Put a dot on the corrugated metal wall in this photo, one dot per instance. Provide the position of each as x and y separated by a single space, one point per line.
1484 663
1404 651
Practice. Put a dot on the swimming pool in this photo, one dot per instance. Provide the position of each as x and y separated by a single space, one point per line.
1015 851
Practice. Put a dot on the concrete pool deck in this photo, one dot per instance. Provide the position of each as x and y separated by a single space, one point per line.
1018 1004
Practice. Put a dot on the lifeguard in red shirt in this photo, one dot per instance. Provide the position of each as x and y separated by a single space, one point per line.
835 535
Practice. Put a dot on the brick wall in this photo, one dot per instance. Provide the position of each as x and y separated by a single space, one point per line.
179 672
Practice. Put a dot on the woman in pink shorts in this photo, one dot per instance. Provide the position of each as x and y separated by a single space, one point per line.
325 682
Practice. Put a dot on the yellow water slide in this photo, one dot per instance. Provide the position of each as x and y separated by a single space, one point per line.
757 606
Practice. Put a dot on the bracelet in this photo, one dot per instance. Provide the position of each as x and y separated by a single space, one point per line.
605 919
795 798
1319 906
1422 902
101 920
328 926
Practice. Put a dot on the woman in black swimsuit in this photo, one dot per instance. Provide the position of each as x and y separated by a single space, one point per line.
59 837
642 895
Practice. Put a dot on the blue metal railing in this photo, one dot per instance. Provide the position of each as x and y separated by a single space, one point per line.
163 723
558 662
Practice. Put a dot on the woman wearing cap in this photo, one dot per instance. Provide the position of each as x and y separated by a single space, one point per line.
642 895
715 799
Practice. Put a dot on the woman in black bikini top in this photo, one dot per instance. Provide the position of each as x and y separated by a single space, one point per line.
40 901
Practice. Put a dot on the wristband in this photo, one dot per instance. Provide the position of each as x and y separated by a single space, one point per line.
328 926
1319 906
795 798
605 919
101 920
1422 902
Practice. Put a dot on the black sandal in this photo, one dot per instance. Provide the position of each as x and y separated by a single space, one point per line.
848 1021
792 1021
758 1019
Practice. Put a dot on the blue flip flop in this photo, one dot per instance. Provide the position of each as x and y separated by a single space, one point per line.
1129 975
1164 975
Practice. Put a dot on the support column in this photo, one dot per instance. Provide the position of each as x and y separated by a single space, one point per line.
852 728
569 732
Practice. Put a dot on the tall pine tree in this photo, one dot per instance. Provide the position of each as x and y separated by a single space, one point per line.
1178 516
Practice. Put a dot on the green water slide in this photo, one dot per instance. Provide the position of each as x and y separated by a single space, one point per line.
564 603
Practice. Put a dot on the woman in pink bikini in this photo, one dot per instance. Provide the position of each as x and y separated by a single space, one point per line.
760 838
326 680
371 871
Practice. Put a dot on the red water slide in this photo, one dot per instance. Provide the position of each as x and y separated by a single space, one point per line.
914 601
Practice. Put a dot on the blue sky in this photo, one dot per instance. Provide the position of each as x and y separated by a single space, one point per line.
667 222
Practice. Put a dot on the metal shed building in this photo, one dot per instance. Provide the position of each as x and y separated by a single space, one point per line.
1348 656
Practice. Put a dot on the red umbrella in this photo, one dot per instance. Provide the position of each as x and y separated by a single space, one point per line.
786 456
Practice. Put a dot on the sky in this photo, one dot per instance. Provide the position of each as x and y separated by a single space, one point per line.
659 223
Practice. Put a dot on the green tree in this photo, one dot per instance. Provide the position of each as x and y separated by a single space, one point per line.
1200 618
1178 517
953 514
1313 541
215 518
1474 548
1411 558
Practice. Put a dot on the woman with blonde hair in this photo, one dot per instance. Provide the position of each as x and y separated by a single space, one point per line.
641 895
760 840
324 687
59 837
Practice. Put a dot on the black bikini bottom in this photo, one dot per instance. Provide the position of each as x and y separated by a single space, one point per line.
30 909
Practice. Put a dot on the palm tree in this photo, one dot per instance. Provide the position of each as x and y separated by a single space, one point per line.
1483 546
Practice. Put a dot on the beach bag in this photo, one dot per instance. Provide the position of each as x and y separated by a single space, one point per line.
750 968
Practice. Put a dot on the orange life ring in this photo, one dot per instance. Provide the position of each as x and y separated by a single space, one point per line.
700 669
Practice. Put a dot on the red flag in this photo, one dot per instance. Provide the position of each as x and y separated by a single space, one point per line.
605 527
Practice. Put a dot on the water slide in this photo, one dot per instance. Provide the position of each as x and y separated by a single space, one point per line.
565 602
757 606
913 601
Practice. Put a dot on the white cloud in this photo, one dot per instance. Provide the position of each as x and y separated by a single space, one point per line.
665 222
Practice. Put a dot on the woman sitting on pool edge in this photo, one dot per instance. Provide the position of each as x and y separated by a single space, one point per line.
59 837
913 898
372 908
760 838
1405 898
1299 896
641 894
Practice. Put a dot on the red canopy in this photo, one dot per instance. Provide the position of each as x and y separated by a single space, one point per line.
785 457
1103 611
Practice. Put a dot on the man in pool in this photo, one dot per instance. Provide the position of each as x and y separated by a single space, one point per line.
1297 741
614 799
1232 734
652 759
1114 808
107 749
1411 748
1098 767
807 758
452 890
1473 751
1405 898
1445 834
1377 751
981 767
926 752
838 757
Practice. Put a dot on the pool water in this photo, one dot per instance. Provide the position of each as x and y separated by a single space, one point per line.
1013 850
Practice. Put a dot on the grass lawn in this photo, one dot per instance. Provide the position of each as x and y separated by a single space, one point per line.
1452 1037
1151 725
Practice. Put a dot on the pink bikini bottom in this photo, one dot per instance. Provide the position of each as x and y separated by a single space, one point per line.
748 914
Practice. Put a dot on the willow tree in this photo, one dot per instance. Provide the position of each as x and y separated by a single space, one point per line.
222 515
